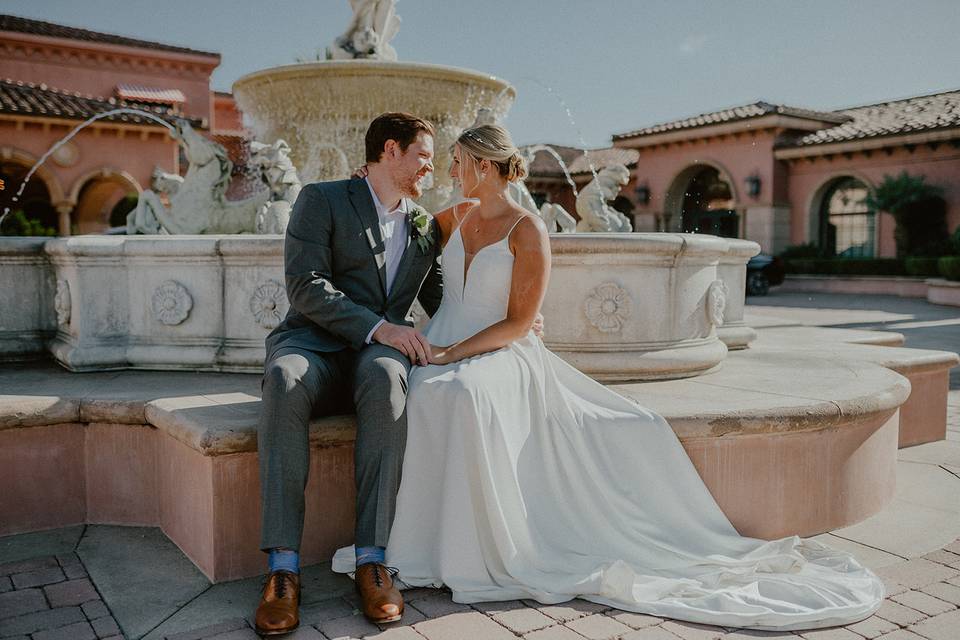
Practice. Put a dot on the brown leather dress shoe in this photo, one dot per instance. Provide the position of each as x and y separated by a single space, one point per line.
278 611
379 597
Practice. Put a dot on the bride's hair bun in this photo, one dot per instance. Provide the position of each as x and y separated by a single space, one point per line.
516 168
492 142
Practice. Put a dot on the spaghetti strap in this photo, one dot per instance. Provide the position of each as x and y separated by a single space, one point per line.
519 220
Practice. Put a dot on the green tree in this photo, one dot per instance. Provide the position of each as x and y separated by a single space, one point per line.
919 211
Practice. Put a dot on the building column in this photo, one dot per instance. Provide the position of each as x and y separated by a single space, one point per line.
64 209
767 225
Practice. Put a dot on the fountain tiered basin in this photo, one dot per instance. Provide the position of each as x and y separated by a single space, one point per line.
322 109
620 307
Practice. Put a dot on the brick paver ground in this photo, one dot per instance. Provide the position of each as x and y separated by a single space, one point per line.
923 600
45 604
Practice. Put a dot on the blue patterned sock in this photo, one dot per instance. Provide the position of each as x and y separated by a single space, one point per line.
366 555
284 560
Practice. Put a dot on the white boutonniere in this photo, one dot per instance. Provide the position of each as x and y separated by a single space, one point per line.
420 228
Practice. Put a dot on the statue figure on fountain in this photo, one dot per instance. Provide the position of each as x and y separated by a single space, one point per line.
595 214
279 174
197 202
374 25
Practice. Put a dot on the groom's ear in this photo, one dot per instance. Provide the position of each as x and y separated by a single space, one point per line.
391 149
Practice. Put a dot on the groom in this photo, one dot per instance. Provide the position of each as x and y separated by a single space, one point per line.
357 254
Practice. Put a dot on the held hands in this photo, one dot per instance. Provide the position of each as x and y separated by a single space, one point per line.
406 340
445 355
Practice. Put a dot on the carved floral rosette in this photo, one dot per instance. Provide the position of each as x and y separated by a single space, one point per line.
716 302
61 302
607 307
268 304
171 303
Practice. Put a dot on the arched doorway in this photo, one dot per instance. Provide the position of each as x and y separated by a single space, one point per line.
847 227
100 198
708 206
33 213
701 199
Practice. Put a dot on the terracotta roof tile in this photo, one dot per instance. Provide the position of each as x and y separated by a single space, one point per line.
735 114
50 29
921 113
27 98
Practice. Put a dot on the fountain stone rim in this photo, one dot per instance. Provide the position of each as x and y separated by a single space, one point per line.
372 67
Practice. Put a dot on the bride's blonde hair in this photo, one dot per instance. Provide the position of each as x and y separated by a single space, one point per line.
492 142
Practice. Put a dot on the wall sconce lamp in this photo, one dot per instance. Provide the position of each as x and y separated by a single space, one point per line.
643 194
753 185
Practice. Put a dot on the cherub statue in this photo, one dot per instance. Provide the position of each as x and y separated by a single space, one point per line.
374 25
595 214
280 176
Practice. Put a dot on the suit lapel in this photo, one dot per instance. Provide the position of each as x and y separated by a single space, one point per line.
362 203
407 258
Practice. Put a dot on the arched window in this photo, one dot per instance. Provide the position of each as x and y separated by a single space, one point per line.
847 226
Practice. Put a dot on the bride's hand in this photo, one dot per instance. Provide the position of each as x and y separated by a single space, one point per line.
538 326
360 172
440 355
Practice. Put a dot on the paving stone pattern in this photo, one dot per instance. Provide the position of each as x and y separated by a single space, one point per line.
52 598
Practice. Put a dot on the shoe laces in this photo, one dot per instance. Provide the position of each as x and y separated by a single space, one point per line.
378 577
281 580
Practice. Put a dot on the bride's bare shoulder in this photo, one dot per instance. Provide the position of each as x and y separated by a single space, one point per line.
449 219
529 231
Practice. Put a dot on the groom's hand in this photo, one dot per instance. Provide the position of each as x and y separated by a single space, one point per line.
406 340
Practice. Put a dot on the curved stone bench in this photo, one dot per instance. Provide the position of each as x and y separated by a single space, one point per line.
787 442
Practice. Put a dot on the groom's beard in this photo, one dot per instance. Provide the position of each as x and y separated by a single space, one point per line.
412 186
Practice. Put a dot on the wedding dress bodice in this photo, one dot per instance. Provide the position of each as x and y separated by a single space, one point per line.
475 298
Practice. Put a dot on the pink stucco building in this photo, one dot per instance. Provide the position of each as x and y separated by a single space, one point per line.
781 175
53 77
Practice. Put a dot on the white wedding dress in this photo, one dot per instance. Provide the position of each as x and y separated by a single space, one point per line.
524 478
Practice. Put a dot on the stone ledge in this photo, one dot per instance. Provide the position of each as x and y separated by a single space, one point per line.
761 390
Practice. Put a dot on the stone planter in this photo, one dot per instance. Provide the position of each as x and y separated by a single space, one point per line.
942 291
641 306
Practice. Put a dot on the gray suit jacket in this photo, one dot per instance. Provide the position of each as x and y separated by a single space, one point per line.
335 266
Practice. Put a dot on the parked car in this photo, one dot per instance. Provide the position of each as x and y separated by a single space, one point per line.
764 271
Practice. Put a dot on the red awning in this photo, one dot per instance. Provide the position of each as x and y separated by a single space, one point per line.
136 93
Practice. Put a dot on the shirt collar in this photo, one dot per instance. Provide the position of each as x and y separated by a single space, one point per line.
381 209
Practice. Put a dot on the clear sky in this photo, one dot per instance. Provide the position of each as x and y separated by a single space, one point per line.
618 64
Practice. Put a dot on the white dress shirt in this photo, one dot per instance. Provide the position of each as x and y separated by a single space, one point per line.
394 229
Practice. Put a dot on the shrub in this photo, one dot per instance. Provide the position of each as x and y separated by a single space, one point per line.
955 242
847 266
922 266
18 224
808 250
949 267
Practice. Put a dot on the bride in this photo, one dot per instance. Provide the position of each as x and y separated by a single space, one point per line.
524 478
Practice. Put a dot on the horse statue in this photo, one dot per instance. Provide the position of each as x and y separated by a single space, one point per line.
198 202
595 214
